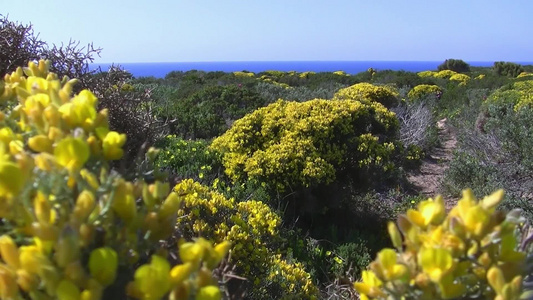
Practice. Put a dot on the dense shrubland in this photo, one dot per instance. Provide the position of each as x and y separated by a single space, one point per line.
297 176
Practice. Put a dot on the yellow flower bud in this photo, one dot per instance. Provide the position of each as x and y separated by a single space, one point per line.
11 179
55 134
86 234
8 284
103 264
40 143
209 292
124 201
180 272
52 116
112 145
66 290
94 291
85 205
31 259
191 252
147 196
153 280
219 252
26 281
395 235
90 178
72 153
43 209
170 206
9 251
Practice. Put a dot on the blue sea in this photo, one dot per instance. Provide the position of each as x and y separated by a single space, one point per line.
159 70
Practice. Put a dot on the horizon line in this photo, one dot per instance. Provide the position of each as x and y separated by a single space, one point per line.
248 61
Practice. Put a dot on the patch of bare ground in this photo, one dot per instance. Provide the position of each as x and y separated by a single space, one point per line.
427 180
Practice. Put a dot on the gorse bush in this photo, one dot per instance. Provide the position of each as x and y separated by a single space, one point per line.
470 253
367 93
253 230
423 90
291 144
71 227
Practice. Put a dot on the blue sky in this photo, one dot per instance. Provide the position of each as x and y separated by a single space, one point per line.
277 30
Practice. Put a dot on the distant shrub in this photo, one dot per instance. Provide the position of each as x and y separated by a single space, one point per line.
507 69
188 159
456 65
366 92
272 92
461 78
211 111
423 90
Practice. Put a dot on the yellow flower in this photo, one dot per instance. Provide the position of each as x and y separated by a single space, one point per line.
124 200
388 267
40 143
369 287
80 112
66 290
180 272
9 251
11 178
429 212
103 264
436 262
112 145
153 280
209 292
72 153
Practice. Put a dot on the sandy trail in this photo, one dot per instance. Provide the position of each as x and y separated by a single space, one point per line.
428 179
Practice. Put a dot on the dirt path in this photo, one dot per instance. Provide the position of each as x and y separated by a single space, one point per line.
428 179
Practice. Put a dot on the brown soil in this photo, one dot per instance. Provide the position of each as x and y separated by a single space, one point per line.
428 179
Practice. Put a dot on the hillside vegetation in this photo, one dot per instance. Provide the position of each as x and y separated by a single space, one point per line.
275 185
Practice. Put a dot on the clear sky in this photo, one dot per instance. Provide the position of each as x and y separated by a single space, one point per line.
276 30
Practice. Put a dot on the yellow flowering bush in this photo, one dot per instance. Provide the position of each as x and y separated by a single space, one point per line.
422 90
461 78
244 74
520 95
524 74
293 144
471 252
444 74
252 228
71 228
368 93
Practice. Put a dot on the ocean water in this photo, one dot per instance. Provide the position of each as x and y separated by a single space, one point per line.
159 70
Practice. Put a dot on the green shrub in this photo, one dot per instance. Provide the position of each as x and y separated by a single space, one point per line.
507 69
456 65
188 159
211 111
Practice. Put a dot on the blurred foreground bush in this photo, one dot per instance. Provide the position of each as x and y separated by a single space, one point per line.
71 227
471 253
